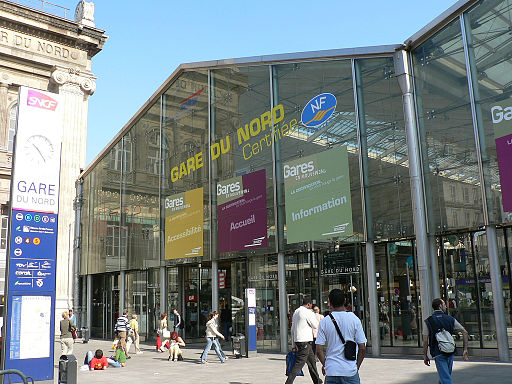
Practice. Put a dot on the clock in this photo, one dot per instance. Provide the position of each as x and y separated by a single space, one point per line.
39 149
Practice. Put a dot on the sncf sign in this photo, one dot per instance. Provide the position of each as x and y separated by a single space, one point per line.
40 100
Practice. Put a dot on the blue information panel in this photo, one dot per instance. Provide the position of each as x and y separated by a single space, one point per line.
33 251
32 257
32 269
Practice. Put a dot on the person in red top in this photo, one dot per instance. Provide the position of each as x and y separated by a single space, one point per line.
98 362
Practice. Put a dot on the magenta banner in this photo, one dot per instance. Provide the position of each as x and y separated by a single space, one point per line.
242 212
504 152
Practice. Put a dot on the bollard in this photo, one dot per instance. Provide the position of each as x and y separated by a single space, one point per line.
85 335
68 369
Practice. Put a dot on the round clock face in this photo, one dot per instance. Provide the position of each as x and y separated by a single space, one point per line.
39 149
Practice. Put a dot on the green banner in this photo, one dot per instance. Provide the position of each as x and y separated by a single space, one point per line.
317 189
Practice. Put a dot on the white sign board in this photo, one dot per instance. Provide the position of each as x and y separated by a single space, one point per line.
251 297
38 147
35 327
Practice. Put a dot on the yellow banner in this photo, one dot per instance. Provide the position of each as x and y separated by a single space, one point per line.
184 224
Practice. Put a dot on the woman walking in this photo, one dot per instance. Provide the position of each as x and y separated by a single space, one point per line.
211 338
66 338
164 332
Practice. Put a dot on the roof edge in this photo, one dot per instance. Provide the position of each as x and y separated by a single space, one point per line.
439 22
343 53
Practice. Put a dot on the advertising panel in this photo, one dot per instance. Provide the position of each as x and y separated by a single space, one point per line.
242 212
33 234
317 190
184 224
502 123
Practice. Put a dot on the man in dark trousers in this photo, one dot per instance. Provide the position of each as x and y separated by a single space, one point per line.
433 324
178 321
303 322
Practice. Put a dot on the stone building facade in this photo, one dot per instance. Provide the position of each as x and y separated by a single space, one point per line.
51 53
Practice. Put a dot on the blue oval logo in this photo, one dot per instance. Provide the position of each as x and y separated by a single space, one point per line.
318 109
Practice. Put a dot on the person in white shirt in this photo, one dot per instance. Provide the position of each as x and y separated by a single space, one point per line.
336 368
303 323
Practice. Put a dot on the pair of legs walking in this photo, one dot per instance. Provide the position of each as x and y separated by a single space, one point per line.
305 355
213 341
132 339
444 365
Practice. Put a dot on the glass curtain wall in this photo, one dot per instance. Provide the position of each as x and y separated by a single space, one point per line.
140 211
452 181
242 191
487 27
242 141
385 159
103 206
185 156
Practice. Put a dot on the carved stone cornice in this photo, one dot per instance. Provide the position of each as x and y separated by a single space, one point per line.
74 78
63 37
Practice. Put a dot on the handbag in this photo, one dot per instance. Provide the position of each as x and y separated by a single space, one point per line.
291 358
166 334
74 334
350 346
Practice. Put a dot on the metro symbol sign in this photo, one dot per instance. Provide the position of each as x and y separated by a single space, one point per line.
40 100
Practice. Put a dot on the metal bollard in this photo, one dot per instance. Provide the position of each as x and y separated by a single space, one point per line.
85 335
68 369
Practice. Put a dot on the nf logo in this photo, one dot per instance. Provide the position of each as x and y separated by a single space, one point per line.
318 109
40 100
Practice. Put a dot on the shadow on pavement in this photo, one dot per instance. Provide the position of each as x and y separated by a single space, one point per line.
476 373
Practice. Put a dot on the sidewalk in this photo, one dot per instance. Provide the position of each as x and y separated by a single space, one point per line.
267 368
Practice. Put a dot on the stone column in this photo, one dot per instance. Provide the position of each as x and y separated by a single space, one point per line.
4 115
75 87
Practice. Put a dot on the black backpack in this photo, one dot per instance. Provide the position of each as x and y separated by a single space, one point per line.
182 324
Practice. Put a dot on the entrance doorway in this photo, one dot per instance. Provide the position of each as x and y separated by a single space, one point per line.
342 269
105 305
197 289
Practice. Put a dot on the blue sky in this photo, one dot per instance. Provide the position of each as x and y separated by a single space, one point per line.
148 40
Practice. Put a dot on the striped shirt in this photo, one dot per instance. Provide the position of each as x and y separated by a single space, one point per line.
122 324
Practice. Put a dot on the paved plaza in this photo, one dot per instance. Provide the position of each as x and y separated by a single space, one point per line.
268 368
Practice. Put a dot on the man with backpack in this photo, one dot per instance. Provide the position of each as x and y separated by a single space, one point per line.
437 336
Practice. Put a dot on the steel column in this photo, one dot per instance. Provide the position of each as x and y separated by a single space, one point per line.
403 73
122 289
89 302
215 285
497 294
163 290
283 302
372 298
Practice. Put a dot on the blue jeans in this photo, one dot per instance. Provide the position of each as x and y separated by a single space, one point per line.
444 366
343 379
216 341
211 341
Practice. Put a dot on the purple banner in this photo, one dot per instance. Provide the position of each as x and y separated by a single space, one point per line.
504 153
242 212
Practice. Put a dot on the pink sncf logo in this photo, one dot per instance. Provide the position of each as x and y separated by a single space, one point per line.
40 100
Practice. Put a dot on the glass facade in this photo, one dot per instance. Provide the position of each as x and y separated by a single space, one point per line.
236 171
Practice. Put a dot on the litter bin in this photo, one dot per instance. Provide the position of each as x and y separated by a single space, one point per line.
68 368
239 346
85 335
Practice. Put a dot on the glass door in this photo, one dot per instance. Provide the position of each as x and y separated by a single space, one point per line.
105 305
198 299
342 269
